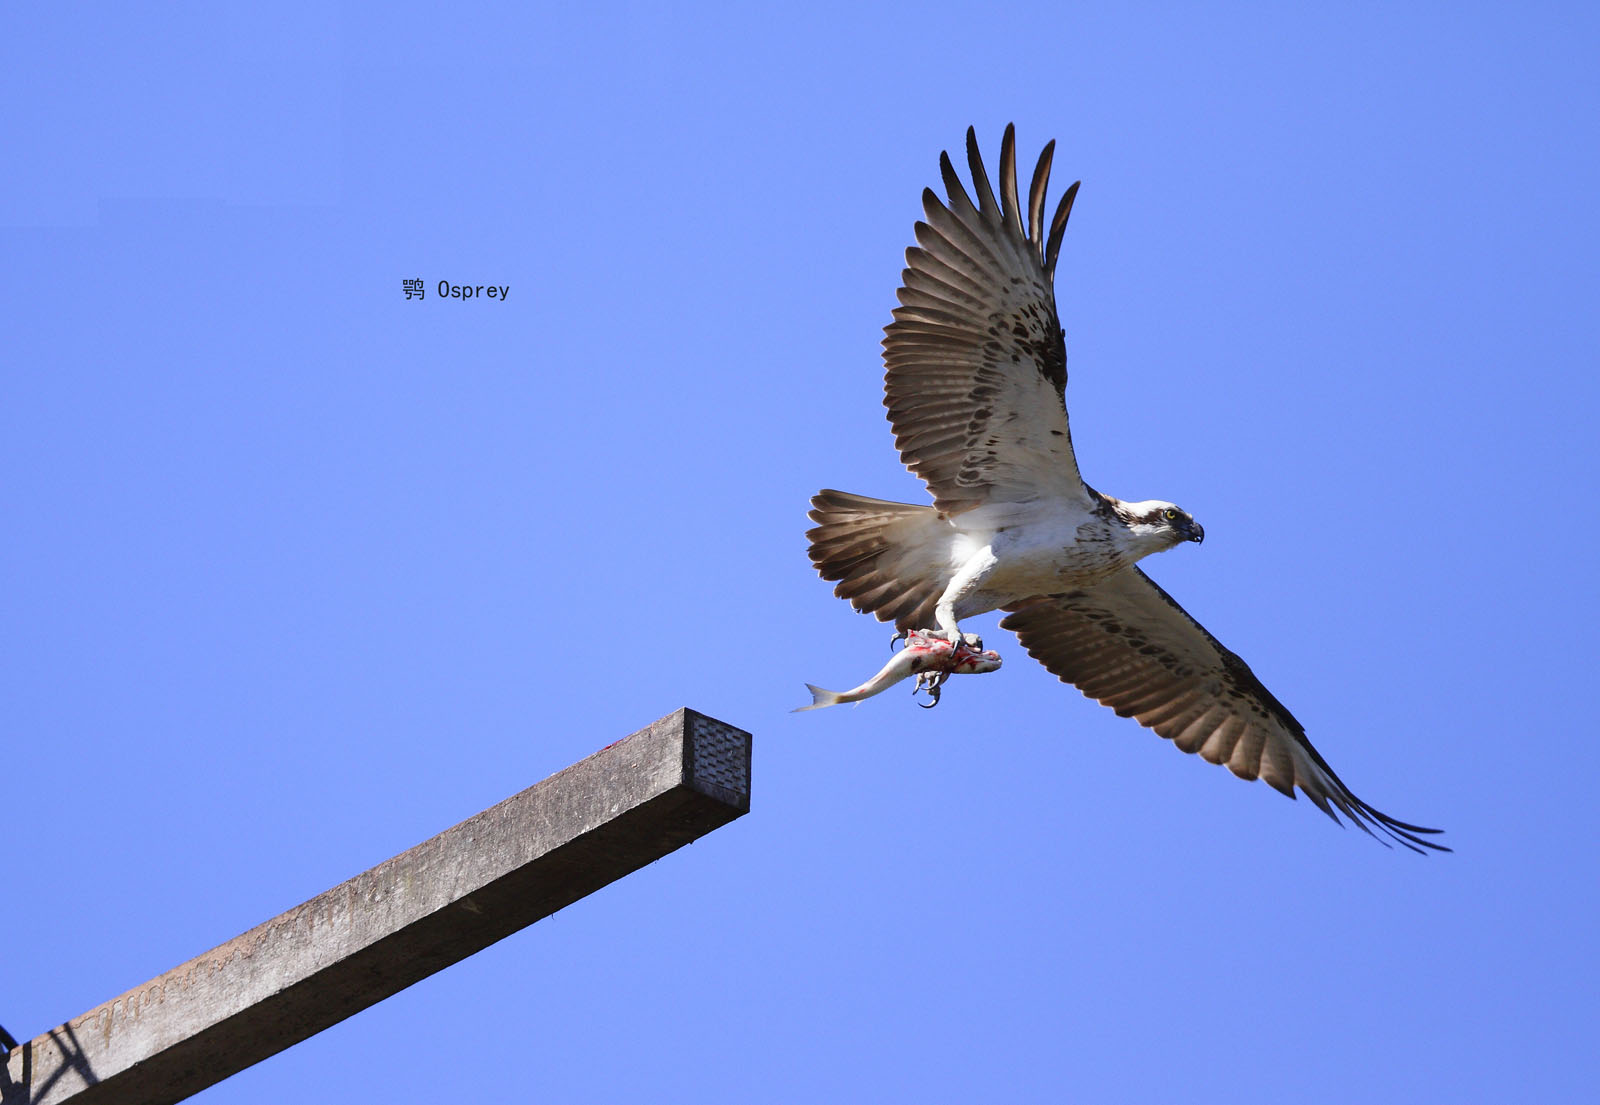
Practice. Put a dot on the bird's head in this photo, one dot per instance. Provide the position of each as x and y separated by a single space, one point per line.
1159 525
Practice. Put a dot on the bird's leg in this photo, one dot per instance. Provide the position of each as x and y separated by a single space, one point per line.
968 578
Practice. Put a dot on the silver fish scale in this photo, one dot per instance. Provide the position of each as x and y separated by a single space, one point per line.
721 755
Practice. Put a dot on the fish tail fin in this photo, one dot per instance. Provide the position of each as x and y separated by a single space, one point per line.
819 699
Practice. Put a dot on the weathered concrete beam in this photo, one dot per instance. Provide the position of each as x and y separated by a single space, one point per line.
625 806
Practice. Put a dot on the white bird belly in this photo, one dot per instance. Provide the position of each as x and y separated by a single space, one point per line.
1036 552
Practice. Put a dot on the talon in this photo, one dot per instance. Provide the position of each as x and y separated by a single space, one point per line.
958 639
932 682
900 636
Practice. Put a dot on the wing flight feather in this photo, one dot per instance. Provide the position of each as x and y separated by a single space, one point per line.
977 367
1128 645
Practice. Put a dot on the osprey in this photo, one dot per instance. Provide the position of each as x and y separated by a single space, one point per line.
977 372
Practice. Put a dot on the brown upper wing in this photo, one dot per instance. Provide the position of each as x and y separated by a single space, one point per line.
976 363
1128 645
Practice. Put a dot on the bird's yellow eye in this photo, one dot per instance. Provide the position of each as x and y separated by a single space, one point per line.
1170 514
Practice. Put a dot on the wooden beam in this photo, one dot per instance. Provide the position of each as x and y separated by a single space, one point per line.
624 807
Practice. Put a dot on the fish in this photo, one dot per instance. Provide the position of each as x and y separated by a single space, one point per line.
931 659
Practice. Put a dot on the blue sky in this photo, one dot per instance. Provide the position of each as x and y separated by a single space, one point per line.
299 573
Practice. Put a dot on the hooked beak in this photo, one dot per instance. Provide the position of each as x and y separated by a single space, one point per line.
1195 532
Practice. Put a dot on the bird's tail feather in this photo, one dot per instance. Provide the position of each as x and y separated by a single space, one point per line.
870 548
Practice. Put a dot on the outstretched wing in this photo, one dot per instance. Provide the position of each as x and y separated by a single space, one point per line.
1128 645
976 363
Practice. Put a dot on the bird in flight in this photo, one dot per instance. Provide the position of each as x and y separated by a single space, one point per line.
976 381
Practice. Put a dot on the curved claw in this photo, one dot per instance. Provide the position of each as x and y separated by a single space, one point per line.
900 636
930 681
958 639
